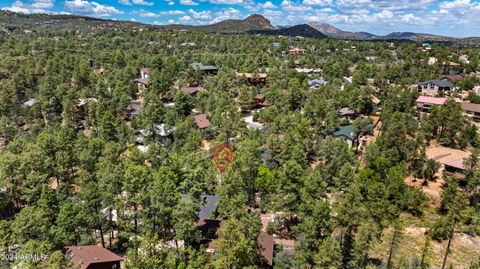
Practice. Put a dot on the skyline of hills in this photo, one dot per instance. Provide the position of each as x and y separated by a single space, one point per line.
253 24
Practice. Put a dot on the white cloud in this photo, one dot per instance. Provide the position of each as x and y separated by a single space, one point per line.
136 2
227 2
379 5
201 15
225 14
269 5
384 15
93 8
146 14
176 12
142 2
318 2
459 7
410 18
289 6
188 3
186 18
171 3
32 6
327 10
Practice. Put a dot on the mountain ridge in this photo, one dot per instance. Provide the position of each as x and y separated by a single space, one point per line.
253 24
303 30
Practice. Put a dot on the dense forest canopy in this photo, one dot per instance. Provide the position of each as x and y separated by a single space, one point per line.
79 167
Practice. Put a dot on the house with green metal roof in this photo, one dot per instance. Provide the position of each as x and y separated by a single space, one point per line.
347 132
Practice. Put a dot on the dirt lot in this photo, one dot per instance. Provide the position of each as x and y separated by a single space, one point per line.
440 154
464 248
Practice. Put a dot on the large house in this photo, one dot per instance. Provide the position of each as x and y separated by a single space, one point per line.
93 257
471 110
425 103
434 86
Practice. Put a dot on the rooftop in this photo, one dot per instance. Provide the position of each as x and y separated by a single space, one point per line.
439 83
466 106
208 206
345 131
252 75
346 111
87 255
455 163
431 100
144 81
201 121
192 90
266 242
451 77
203 67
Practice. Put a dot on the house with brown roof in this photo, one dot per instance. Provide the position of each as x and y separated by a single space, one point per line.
261 100
93 257
192 90
471 110
452 78
266 243
201 121
455 168
144 81
254 79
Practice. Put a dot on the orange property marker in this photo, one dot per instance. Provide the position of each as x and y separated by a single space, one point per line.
222 156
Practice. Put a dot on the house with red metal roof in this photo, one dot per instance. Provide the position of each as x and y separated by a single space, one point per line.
425 103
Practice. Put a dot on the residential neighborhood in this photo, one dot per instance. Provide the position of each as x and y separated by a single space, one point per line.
126 145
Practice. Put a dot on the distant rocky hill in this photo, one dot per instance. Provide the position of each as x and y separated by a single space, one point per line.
303 30
251 23
332 31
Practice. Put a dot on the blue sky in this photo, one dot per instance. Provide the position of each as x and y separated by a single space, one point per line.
459 18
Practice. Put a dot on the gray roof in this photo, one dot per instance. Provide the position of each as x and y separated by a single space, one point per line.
203 67
439 83
345 111
30 102
208 206
316 82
